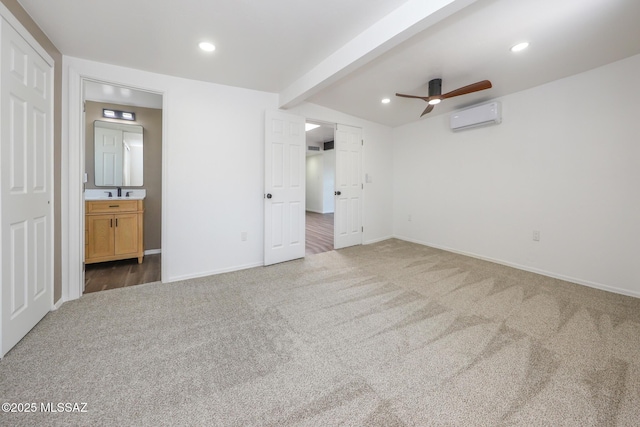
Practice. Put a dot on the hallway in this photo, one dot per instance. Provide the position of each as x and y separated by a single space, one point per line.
319 233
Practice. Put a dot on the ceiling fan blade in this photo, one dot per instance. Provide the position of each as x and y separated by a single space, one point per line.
424 98
427 110
475 87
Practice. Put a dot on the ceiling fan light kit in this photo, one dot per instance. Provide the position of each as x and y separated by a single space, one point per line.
435 87
435 92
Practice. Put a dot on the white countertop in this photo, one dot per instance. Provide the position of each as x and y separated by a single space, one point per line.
101 194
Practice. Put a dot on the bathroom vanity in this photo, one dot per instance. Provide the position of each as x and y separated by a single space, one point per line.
114 229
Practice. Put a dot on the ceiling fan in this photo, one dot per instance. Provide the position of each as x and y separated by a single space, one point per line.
435 92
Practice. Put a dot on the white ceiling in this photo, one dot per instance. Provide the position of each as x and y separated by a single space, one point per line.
567 37
274 45
261 45
320 135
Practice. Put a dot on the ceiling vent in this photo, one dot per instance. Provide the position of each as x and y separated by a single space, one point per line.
313 148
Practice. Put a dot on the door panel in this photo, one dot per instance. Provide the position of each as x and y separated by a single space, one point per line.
25 185
101 240
40 233
126 234
348 212
284 195
18 268
17 141
295 213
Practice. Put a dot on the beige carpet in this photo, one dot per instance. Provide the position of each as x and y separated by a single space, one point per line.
390 334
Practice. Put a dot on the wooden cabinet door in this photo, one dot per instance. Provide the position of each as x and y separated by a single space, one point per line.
126 234
100 235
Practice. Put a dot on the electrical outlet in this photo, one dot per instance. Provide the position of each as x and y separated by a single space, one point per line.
243 236
536 235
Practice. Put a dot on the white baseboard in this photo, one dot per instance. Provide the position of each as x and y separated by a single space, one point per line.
380 239
583 282
211 272
58 304
153 251
313 210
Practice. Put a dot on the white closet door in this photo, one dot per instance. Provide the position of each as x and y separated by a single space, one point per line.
26 135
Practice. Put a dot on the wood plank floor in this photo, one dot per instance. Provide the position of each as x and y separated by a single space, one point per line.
118 274
319 233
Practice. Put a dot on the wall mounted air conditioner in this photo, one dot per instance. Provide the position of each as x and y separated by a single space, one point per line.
476 116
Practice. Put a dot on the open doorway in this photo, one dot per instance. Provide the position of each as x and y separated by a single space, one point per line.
109 265
320 186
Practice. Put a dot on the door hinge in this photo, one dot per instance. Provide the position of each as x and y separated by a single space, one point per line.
362 229
362 140
362 186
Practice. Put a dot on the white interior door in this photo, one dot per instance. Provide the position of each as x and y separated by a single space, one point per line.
108 149
25 183
348 192
284 191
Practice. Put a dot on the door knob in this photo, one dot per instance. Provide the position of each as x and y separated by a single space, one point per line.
269 195
337 193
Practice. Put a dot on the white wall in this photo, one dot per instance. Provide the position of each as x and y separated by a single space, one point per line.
377 155
213 172
321 176
565 161
213 155
314 185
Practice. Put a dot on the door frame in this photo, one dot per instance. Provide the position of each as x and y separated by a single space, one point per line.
335 124
73 167
11 20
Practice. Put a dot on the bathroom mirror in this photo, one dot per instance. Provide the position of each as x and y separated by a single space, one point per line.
118 154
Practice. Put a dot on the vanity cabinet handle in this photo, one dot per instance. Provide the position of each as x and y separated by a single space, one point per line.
114 206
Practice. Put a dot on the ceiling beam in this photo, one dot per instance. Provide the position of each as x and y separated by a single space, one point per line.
409 19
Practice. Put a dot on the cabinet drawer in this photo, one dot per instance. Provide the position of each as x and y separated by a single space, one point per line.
106 206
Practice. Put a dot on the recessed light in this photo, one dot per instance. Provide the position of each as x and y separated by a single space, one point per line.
385 100
207 47
310 126
519 47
